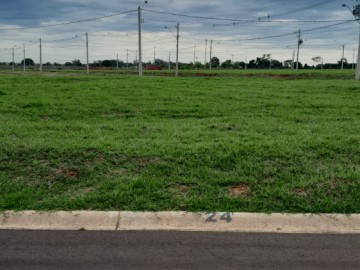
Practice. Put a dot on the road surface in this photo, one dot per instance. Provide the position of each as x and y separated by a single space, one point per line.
176 250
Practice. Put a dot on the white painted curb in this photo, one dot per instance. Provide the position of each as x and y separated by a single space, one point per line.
181 221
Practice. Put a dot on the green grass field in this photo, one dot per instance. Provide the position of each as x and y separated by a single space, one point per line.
233 142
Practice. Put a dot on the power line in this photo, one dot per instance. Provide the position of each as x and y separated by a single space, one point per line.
327 26
280 35
241 20
298 9
191 16
67 23
279 21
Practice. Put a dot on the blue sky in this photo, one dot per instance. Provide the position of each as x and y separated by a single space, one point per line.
118 35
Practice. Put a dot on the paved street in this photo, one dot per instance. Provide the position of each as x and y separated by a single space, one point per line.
170 250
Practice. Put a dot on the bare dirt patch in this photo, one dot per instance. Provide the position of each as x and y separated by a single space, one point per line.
300 192
239 191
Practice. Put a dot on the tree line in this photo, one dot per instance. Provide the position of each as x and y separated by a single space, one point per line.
263 62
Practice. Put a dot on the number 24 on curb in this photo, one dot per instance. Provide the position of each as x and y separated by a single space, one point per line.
223 216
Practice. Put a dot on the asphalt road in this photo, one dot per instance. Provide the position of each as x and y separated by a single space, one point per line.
176 250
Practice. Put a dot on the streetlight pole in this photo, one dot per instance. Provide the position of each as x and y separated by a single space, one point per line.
87 53
41 61
298 50
356 14
177 50
357 77
211 47
140 51
342 58
24 59
13 59
206 42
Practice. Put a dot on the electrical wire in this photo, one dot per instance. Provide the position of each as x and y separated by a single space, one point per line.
67 23
235 20
311 6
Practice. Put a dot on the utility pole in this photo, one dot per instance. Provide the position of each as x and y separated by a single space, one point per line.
169 60
298 50
154 56
293 60
205 52
41 64
87 53
270 63
177 50
342 58
358 60
117 61
127 58
356 13
136 60
24 59
246 63
13 59
211 42
194 54
353 62
140 50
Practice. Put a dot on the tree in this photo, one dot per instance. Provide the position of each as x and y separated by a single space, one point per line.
276 64
76 63
239 65
343 61
317 59
300 65
28 62
288 63
107 63
264 61
215 62
252 64
227 64
47 64
96 63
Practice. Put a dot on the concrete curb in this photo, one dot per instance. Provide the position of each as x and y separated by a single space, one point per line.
181 221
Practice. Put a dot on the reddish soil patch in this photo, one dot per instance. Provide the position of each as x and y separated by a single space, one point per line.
240 190
300 192
280 75
205 75
70 173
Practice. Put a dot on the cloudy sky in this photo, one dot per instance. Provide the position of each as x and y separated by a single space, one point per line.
240 29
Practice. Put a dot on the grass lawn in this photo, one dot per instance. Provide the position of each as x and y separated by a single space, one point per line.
225 143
